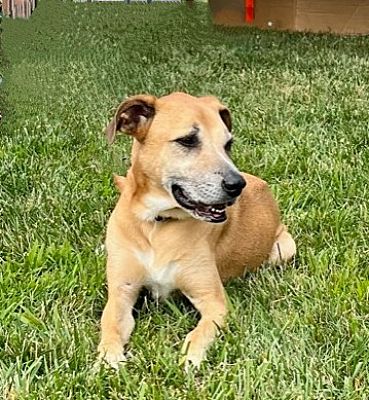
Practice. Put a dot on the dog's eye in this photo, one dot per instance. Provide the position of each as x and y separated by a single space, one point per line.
228 146
188 141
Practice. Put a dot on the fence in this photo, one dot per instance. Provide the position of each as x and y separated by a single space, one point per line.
18 8
24 8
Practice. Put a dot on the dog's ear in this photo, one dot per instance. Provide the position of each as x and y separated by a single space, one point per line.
224 113
133 116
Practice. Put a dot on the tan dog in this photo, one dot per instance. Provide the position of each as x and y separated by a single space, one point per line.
183 220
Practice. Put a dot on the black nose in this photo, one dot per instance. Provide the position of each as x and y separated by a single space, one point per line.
233 183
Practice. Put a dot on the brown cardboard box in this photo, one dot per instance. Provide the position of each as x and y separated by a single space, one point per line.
336 16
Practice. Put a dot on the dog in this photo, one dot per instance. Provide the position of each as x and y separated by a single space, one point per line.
187 219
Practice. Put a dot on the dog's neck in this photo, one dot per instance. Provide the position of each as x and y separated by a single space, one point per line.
149 202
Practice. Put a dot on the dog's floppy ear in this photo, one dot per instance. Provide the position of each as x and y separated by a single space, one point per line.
224 113
133 116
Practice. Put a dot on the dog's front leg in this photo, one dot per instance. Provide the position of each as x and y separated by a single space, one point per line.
125 279
206 292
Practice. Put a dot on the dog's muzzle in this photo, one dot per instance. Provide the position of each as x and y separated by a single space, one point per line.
232 187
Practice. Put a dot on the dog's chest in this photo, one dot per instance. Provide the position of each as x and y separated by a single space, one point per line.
160 278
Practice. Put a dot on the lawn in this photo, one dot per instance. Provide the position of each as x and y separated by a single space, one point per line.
300 112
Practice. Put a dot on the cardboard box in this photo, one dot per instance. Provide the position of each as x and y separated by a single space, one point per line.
336 16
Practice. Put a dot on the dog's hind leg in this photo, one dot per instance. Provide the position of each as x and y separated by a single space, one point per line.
284 247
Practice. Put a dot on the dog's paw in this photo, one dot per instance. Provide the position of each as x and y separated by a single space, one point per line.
192 361
193 354
112 354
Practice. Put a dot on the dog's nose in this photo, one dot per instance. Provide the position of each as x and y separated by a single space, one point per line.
233 183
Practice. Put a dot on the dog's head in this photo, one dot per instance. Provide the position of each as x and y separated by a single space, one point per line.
183 146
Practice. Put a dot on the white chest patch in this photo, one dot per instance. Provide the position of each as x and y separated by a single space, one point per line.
160 278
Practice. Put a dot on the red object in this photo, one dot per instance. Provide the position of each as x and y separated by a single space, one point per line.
249 11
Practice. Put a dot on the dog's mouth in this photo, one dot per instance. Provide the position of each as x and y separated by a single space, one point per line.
211 213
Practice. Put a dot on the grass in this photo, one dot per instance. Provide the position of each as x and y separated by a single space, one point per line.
300 113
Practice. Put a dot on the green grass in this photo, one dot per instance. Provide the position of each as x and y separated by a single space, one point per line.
301 118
